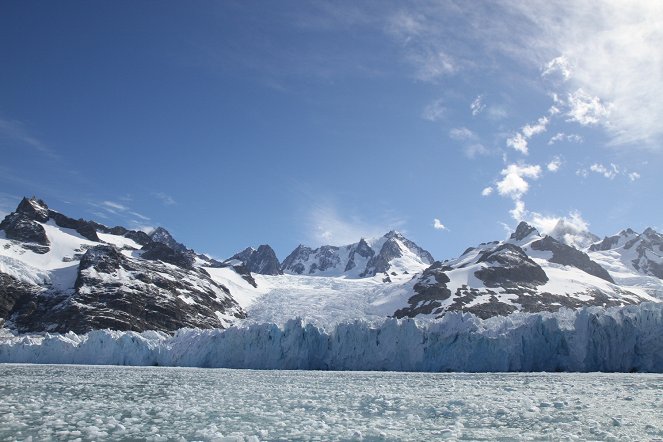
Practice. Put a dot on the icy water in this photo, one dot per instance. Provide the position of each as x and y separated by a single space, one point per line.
49 402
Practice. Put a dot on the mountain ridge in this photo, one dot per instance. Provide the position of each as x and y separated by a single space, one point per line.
61 274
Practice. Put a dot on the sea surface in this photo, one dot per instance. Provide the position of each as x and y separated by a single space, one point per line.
68 402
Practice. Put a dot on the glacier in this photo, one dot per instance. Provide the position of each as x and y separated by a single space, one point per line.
619 339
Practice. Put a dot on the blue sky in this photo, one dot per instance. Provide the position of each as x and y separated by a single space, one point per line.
241 123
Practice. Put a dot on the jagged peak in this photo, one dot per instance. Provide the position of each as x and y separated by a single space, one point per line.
523 231
34 208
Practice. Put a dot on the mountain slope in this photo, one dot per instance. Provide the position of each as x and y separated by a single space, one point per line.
61 274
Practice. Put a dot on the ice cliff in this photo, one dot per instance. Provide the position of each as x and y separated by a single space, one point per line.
591 339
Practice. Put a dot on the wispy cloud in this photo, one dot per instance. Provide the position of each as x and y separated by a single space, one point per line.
17 132
554 164
165 199
434 111
114 206
328 226
561 136
610 171
477 106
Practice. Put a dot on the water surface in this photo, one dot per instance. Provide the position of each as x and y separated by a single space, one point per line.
49 402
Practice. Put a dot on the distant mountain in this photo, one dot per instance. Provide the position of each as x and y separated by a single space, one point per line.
63 274
262 261
366 258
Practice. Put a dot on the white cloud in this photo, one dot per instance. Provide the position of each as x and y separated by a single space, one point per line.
434 111
554 164
558 65
633 176
534 129
462 133
513 183
615 50
477 106
165 199
586 109
518 142
487 191
437 225
518 212
609 172
572 230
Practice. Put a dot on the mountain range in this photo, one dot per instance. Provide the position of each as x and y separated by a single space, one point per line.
61 274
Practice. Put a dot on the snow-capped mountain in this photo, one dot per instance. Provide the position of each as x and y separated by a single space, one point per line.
528 272
61 274
391 253
633 259
262 261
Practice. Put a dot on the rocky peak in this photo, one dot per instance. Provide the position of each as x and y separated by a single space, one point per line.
262 261
163 236
35 209
523 231
244 255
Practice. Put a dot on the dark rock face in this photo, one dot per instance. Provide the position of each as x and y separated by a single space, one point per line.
159 251
264 261
523 231
363 250
13 292
20 227
569 256
300 253
327 259
35 209
430 291
511 268
163 236
87 229
120 293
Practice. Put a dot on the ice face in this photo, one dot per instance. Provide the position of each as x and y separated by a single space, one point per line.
592 339
156 403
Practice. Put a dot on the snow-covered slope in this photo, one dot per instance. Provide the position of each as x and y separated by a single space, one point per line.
528 272
391 253
634 260
58 273
62 274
